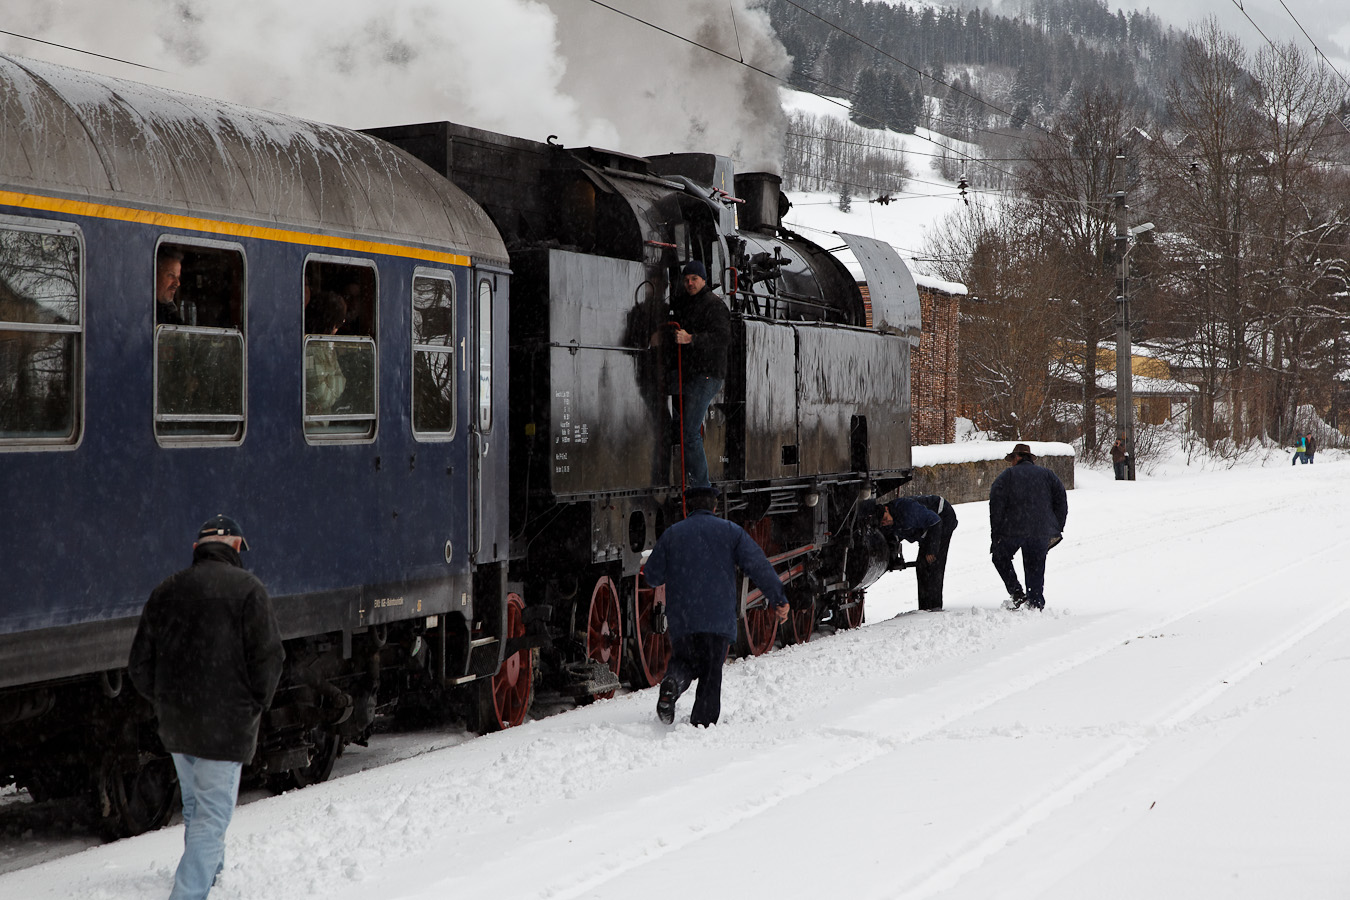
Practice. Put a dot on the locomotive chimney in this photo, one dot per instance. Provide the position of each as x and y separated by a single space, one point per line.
764 201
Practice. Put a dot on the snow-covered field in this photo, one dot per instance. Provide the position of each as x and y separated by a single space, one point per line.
1171 726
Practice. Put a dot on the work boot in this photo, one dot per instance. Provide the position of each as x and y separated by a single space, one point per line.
1015 599
665 705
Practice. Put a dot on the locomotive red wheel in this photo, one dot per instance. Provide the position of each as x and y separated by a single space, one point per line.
504 699
850 615
759 629
651 651
604 631
800 624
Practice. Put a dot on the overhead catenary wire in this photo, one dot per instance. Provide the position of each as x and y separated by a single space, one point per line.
116 59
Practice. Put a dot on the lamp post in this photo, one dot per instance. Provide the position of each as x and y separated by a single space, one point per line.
1124 340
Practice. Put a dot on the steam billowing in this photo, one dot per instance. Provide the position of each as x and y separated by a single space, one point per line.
529 68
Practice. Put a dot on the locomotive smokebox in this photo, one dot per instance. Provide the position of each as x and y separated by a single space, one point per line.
764 205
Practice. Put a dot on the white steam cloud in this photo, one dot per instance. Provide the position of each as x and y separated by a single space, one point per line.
528 68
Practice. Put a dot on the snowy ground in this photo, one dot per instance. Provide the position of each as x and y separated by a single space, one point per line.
1171 726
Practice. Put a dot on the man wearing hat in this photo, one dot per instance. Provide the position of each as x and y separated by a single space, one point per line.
1027 511
208 655
696 559
703 334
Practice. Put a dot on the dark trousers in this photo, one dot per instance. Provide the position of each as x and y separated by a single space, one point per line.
1120 470
699 656
1033 550
930 575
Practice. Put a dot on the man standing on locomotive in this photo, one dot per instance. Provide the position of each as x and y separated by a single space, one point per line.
703 333
208 655
696 560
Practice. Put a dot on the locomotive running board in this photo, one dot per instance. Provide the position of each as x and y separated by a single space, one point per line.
890 285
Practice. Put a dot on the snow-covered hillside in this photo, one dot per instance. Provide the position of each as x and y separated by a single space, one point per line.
905 221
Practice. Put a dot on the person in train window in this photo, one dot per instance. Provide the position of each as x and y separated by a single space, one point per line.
168 278
929 521
703 334
208 656
324 381
696 559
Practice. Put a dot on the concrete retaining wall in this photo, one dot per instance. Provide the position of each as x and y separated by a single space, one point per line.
969 481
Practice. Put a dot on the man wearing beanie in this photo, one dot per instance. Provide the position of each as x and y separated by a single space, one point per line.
703 333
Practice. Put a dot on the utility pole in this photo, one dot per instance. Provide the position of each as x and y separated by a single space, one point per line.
1124 343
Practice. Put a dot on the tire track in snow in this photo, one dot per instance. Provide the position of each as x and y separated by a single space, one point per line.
866 745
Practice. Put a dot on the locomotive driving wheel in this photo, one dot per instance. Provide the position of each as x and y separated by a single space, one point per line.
759 629
503 701
801 622
651 650
604 629
850 612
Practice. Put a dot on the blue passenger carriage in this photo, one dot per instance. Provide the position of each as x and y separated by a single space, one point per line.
366 458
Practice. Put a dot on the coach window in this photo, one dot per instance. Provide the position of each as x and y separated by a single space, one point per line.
433 356
340 349
484 355
200 314
41 336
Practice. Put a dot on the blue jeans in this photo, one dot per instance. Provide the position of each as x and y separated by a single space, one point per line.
1033 550
210 788
699 392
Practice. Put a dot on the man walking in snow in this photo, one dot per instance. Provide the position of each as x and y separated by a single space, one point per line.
208 655
1027 511
696 559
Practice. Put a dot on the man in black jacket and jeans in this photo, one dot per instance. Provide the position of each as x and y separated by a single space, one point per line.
1027 511
208 655
703 333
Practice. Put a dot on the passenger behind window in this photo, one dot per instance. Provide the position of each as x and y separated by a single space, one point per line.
324 381
168 278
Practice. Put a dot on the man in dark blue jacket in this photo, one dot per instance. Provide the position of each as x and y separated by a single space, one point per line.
928 520
1027 511
696 560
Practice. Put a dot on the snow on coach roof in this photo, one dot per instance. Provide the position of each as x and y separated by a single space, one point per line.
94 138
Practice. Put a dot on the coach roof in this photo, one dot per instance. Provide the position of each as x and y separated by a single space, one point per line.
90 137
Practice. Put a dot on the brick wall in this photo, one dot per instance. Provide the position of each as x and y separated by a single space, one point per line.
933 370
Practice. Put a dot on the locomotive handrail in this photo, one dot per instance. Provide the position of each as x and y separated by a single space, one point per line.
574 345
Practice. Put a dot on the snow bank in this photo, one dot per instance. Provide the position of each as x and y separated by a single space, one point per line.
982 451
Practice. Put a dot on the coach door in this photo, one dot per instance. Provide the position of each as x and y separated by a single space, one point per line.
480 432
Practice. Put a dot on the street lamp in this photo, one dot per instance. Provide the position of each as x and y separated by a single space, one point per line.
1124 341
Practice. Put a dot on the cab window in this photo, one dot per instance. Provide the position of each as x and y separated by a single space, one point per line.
41 336
433 349
340 349
200 379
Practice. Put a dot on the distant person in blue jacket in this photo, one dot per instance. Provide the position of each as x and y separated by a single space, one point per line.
696 559
929 521
1300 450
1027 511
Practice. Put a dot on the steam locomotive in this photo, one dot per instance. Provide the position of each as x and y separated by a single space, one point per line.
464 525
